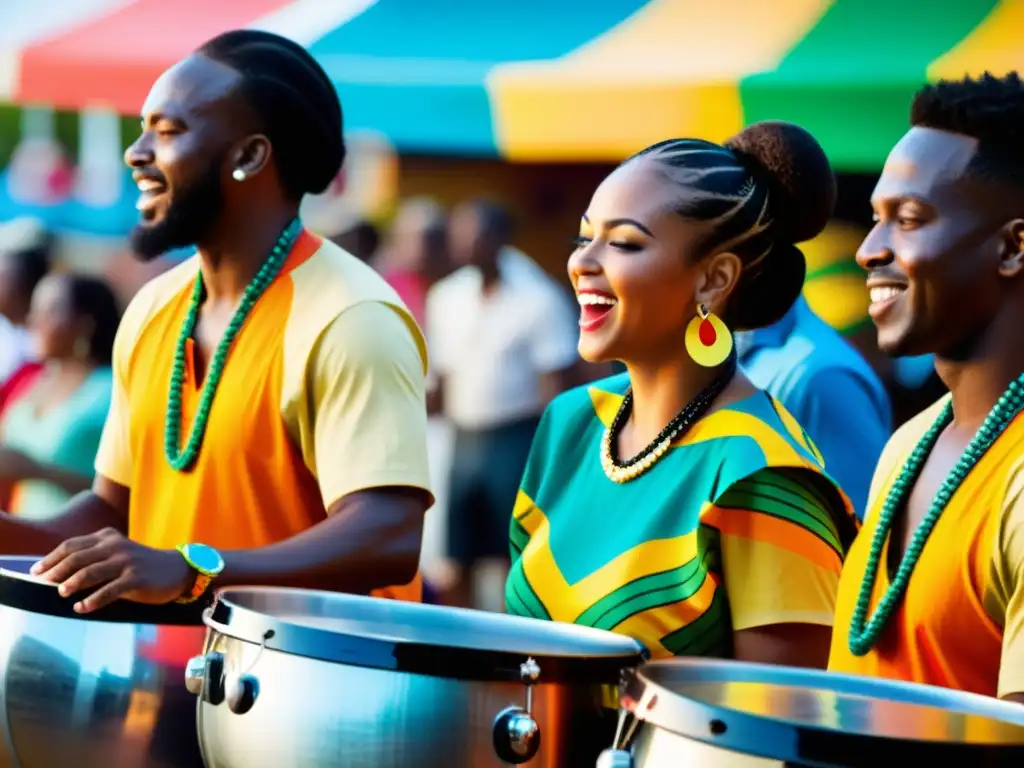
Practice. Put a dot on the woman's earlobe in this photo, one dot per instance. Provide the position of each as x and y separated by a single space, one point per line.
718 281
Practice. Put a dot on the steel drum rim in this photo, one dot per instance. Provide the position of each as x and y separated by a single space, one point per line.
228 618
44 600
652 702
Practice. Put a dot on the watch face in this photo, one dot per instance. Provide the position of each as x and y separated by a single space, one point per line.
204 558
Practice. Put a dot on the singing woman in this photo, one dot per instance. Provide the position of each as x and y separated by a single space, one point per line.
676 503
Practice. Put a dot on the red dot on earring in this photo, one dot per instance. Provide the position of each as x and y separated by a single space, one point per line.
706 333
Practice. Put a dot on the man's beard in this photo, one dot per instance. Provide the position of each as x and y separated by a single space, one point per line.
190 216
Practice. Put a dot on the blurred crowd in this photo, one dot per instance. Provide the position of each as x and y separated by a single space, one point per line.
56 341
502 342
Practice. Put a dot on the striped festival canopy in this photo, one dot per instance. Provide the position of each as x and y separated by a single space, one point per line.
545 79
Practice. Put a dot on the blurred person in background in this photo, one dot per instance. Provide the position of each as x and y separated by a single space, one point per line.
25 254
415 254
361 239
502 339
830 389
49 435
414 257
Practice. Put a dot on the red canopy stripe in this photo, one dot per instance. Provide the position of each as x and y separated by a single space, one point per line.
147 33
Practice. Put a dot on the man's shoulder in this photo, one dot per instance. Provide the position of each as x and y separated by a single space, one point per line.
370 327
329 284
338 278
1008 451
340 302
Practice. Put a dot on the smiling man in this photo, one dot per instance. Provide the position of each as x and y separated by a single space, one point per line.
933 589
268 423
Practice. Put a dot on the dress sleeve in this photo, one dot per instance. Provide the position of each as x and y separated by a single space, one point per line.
781 551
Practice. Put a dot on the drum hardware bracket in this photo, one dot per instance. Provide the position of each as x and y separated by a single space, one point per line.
615 758
243 690
621 758
516 732
204 675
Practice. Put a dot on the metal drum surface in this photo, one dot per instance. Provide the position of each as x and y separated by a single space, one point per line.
722 713
89 692
300 678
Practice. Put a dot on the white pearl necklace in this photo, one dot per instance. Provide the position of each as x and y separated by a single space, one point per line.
622 475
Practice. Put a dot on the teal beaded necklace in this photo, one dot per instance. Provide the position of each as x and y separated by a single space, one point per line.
864 632
182 459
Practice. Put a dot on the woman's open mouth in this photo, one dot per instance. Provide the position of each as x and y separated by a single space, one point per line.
595 309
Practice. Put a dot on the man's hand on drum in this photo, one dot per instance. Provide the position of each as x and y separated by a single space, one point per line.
119 567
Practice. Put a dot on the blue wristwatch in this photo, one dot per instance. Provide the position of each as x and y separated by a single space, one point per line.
206 562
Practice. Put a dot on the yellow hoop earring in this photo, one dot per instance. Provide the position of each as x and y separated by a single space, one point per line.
708 340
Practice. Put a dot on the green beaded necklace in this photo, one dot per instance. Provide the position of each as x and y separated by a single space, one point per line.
864 632
181 460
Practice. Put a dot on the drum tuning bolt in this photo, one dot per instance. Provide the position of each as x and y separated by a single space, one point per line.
205 675
243 690
620 758
516 732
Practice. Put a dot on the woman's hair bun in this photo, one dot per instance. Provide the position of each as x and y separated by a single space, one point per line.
801 184
764 299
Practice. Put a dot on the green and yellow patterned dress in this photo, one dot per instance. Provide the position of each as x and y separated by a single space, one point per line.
736 527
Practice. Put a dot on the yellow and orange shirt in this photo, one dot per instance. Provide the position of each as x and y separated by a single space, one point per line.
961 623
323 394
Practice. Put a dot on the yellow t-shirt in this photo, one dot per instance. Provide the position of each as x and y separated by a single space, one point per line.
961 623
322 395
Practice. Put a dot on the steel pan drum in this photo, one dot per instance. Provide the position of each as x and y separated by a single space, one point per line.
89 692
723 713
302 678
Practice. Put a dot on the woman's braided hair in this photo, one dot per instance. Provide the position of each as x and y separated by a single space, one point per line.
765 190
